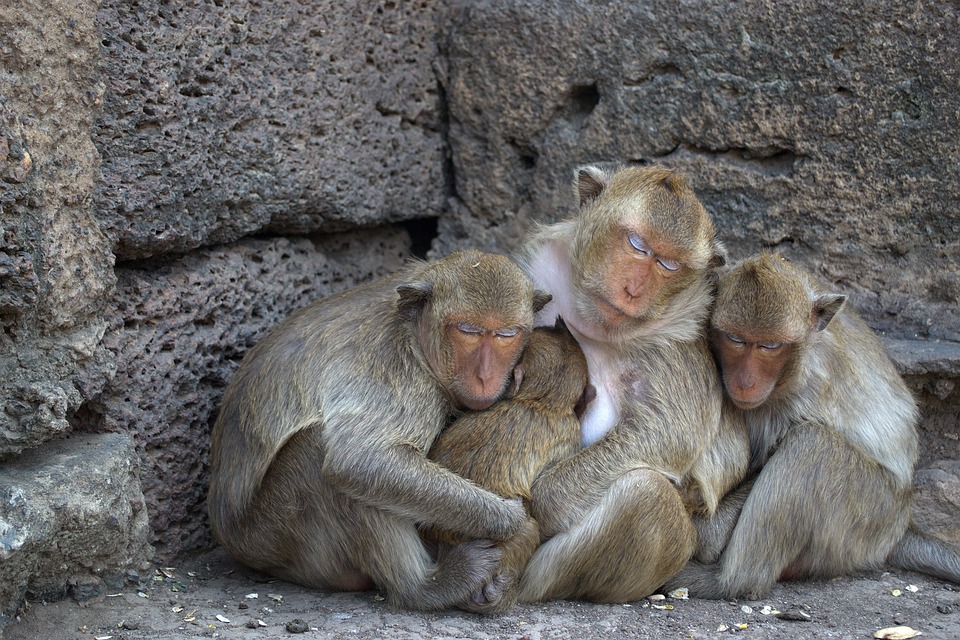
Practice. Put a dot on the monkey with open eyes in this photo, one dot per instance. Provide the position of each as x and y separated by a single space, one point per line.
506 447
631 275
833 439
319 468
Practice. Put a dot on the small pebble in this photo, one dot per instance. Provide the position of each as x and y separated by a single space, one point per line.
130 625
297 626
794 614
243 605
944 608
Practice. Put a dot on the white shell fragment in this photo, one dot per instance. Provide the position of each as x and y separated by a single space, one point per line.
896 633
223 619
681 593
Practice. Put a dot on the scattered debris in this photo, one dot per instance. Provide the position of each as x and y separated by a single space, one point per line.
896 633
746 609
944 608
912 588
681 593
255 623
896 592
656 596
767 610
223 619
129 625
297 626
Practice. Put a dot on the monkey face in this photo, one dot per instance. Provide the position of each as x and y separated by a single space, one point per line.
480 360
751 366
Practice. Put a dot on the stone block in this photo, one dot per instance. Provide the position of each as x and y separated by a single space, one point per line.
72 519
227 118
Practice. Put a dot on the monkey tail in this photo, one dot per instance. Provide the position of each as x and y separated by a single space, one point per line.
917 551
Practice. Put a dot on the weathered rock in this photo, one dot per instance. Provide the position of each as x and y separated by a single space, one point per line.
223 119
71 517
55 265
179 331
823 129
937 501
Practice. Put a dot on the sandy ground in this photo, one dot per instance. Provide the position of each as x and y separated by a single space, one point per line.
212 596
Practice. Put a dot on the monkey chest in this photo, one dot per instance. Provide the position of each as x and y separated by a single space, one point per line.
616 383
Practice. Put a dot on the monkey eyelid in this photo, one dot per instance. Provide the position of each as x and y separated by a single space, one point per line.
734 338
770 346
669 265
466 327
507 333
639 244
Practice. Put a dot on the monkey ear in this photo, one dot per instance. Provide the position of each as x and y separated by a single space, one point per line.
518 373
825 307
540 300
591 181
719 258
413 296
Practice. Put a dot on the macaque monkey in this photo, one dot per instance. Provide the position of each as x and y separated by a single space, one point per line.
631 275
507 446
319 468
833 439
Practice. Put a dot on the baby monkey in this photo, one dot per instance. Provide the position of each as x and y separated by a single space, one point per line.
505 448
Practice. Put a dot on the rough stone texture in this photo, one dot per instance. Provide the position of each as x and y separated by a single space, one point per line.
932 370
824 129
178 332
938 499
221 119
71 517
55 265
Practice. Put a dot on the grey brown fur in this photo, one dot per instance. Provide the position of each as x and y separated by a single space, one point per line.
319 472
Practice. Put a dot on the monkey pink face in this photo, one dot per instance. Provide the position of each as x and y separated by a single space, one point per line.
637 276
751 367
482 358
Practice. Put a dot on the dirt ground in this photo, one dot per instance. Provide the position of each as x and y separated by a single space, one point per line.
211 596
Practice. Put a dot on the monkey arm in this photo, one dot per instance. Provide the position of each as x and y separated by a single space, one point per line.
400 479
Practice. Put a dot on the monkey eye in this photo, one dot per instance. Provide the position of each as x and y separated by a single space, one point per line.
669 265
735 339
639 245
509 332
770 346
469 329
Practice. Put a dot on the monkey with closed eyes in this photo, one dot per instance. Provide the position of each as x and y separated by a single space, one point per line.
832 430
319 468
631 273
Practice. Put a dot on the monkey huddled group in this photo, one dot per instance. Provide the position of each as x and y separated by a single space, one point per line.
441 435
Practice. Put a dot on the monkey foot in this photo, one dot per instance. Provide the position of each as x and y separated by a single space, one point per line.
497 595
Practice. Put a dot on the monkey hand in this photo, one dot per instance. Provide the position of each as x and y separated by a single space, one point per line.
509 521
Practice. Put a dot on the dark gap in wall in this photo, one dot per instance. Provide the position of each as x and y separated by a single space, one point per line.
423 231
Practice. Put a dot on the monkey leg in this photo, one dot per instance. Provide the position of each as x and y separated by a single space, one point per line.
630 543
303 530
819 508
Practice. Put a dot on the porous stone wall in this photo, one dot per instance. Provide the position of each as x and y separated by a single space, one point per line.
176 178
